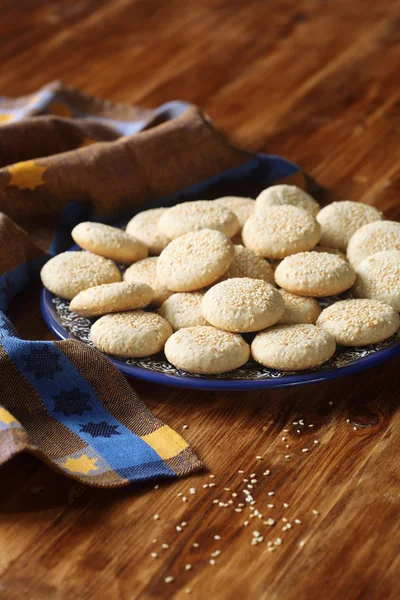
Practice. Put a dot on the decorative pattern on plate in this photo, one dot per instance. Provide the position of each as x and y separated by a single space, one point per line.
79 327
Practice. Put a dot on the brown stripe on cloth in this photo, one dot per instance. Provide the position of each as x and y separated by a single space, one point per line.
111 387
22 401
12 441
116 176
15 239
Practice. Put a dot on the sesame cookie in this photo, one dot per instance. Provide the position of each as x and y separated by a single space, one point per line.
206 350
200 214
281 231
183 310
293 347
299 309
111 297
146 271
69 273
315 274
243 208
340 220
247 263
109 242
371 238
144 227
378 277
131 334
195 260
359 322
242 304
286 194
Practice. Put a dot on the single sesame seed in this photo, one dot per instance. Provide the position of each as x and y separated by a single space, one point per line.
330 402
278 542
155 540
211 476
297 521
355 428
188 590
227 489
289 526
250 486
286 431
246 523
245 480
270 522
156 487
258 457
185 427
287 446
253 481
205 485
311 425
270 505
178 528
256 534
347 420
304 449
264 428
284 519
241 505
295 422
217 537
301 421
184 499
301 544
271 493
192 491
283 438
216 553
179 494
298 431
156 517
267 472
240 471
271 549
316 512
234 494
165 546
195 545
168 579
285 505
316 442
288 456
212 561
252 475
284 528
183 524
188 567
238 509
212 484
154 555
215 501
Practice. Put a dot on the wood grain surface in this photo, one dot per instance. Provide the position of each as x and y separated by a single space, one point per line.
316 81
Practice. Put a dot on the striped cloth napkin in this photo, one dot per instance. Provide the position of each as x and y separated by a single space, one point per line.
66 157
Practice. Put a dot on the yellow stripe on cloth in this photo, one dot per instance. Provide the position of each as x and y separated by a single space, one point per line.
6 417
166 442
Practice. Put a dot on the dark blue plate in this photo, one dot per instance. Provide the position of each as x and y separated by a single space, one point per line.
248 179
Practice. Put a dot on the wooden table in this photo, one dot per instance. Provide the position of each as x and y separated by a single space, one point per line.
318 82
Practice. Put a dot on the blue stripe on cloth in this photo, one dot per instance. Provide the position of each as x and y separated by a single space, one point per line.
70 400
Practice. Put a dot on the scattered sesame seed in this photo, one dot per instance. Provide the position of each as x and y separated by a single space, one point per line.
195 545
298 431
330 402
264 428
216 553
271 549
188 590
285 505
316 442
295 422
205 485
256 534
311 425
184 499
270 522
245 480
286 431
355 428
283 438
270 505
347 420
212 484
156 517
271 493
178 528
212 561
258 457
168 579
183 524
154 555
249 486
278 542
179 494
304 449
241 505
192 491
252 475
246 523
188 567
288 456
227 489
155 540
253 480
284 519
230 501
156 487
215 501
301 421
301 544
238 509
240 471
284 528
316 512
234 494
211 476
217 537
185 427
165 546
297 521
287 446
289 526
267 472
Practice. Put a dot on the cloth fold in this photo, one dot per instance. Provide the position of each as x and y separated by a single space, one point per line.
66 157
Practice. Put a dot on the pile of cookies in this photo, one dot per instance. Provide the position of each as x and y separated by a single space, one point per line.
213 271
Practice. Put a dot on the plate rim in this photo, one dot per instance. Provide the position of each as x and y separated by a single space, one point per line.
211 384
